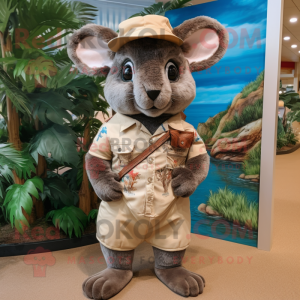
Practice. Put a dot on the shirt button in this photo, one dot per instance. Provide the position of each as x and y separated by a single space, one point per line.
151 141
150 160
149 179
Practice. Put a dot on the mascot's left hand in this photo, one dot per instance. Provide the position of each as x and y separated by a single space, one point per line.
184 182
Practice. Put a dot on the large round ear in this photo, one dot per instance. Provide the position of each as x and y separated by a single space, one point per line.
205 41
88 49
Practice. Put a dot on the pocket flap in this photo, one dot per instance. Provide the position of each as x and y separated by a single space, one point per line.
121 148
181 139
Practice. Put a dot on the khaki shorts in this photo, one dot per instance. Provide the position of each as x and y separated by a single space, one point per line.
118 228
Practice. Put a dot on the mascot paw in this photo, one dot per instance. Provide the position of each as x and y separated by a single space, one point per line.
183 183
106 284
181 281
110 189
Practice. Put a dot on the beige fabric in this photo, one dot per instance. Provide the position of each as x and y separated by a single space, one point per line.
151 26
147 188
118 228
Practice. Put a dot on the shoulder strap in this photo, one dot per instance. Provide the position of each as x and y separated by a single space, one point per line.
144 155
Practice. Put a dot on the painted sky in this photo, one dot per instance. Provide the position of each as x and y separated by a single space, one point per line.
241 63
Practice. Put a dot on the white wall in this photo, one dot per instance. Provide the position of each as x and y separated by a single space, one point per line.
112 13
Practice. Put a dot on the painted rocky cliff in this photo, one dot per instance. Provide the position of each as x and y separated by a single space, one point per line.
233 134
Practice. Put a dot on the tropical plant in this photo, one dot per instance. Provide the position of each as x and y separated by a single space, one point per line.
161 8
93 215
47 116
70 219
291 100
286 135
18 198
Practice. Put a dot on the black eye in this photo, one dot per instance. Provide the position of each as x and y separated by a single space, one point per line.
127 72
172 71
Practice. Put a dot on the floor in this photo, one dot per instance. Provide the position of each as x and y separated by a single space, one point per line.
232 271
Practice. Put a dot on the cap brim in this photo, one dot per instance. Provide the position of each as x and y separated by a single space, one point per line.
116 43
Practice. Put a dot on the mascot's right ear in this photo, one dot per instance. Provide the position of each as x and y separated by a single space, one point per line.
88 49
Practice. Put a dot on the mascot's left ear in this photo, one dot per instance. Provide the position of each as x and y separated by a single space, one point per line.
205 42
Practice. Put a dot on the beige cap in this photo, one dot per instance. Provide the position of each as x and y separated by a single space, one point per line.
150 26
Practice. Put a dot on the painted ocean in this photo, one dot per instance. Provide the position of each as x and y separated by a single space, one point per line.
199 113
221 174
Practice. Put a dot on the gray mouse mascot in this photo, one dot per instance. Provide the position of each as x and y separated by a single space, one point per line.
146 161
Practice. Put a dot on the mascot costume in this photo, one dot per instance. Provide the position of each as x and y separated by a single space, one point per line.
146 161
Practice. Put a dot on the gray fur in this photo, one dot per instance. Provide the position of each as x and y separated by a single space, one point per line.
186 180
103 179
114 278
181 281
106 283
149 57
169 270
102 33
190 26
118 259
166 259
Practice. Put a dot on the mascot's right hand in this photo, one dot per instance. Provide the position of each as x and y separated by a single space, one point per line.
103 180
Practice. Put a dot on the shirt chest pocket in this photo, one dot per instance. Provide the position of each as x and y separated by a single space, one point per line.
123 154
176 156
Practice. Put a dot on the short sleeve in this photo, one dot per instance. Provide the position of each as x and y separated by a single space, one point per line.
198 146
101 146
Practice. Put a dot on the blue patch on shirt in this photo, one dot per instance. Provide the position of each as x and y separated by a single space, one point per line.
102 131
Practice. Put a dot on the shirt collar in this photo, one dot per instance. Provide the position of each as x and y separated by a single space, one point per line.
125 122
175 122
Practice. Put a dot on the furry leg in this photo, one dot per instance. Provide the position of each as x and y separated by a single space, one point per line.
113 279
169 271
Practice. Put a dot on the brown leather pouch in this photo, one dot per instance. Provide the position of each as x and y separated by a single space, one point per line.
181 139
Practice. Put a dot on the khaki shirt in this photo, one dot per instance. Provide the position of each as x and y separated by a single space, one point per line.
147 188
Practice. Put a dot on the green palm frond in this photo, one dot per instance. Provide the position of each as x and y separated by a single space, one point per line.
3 131
47 14
50 106
95 125
161 8
62 78
71 178
6 179
60 57
19 161
19 196
7 8
58 192
29 167
59 141
93 215
70 219
84 12
175 4
11 157
51 18
17 96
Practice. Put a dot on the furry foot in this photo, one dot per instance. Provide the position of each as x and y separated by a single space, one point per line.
181 281
106 284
